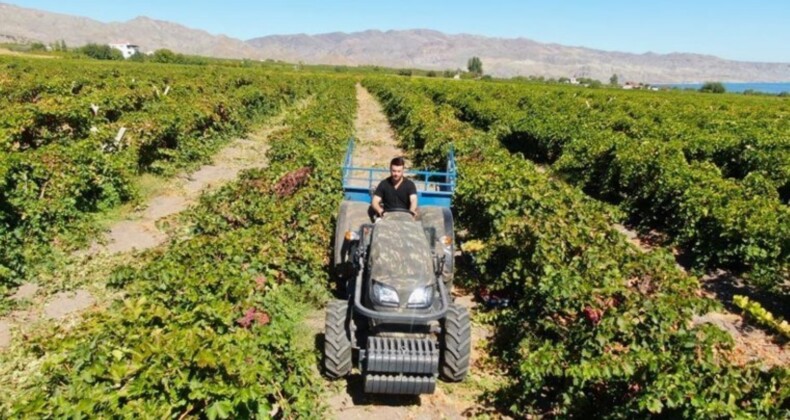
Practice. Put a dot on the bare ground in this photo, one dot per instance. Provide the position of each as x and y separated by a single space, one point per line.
376 142
6 51
137 231
751 343
376 146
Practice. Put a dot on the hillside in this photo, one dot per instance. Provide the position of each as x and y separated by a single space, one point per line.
21 24
509 57
419 48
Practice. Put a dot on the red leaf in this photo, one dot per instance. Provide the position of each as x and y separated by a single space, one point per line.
593 315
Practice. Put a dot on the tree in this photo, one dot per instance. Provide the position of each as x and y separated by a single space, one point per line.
164 56
138 57
614 81
58 46
38 46
475 66
713 87
101 52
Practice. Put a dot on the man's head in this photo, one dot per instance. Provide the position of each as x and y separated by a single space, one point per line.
396 168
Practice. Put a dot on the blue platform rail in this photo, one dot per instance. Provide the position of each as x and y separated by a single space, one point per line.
433 188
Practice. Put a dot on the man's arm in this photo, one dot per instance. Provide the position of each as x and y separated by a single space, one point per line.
376 204
413 199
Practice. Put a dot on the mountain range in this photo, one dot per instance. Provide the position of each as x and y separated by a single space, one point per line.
417 48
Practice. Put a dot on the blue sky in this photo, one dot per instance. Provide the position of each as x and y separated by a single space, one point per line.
757 30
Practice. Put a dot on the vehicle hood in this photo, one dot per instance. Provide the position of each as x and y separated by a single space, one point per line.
400 256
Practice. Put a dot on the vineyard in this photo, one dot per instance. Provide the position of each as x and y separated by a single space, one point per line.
73 135
714 176
212 324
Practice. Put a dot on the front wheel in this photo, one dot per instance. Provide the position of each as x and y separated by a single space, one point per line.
456 344
337 340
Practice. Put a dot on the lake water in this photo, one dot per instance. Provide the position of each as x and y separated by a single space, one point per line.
774 88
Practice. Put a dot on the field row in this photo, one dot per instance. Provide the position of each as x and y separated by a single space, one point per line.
211 326
741 225
745 137
75 134
597 328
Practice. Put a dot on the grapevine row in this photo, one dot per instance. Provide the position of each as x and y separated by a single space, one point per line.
597 328
719 222
211 325
745 137
74 135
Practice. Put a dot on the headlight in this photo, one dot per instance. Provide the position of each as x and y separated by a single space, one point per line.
385 295
421 297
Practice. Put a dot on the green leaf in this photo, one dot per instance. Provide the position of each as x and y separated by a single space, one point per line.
219 410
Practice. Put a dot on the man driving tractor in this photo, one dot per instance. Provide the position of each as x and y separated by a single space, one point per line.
396 192
395 319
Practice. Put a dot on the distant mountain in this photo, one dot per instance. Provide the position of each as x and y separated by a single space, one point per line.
20 24
509 57
418 48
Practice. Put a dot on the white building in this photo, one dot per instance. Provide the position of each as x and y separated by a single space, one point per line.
126 49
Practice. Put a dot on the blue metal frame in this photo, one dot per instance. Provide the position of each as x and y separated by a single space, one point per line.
433 188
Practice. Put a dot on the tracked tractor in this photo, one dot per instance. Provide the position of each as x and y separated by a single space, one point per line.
398 324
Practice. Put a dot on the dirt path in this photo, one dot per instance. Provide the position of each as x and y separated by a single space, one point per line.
139 230
6 51
376 145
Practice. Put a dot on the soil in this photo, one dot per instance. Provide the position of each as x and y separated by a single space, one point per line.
751 343
5 333
140 231
65 303
376 145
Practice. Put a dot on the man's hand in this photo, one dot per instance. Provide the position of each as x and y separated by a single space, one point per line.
377 207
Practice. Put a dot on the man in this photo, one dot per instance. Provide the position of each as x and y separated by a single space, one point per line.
395 192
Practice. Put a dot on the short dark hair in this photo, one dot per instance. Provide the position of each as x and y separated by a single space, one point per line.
398 161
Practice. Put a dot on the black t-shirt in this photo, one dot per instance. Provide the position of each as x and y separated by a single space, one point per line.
395 198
